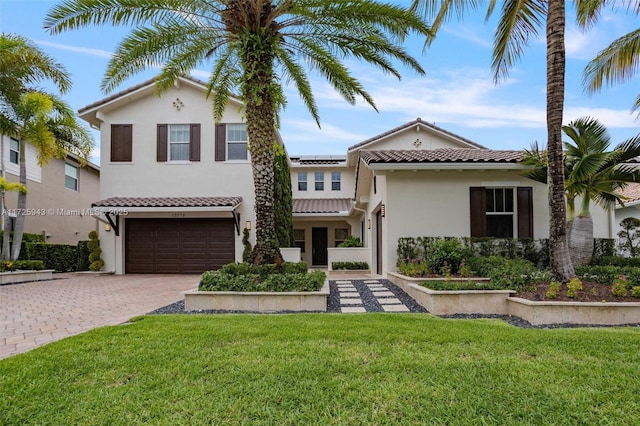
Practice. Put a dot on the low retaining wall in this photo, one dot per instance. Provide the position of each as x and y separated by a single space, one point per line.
295 301
347 254
543 313
485 302
14 277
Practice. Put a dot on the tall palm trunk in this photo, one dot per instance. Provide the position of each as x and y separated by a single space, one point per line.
261 131
561 266
22 204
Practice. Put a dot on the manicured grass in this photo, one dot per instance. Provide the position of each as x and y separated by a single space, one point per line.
325 369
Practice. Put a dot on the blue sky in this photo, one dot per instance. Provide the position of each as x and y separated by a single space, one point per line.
457 93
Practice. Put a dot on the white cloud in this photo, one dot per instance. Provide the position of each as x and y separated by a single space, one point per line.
77 49
466 33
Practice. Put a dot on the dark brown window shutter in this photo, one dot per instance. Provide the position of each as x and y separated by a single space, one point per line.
121 142
194 142
161 151
478 202
221 142
525 212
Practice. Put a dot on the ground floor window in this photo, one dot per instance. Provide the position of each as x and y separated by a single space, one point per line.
298 237
501 212
340 235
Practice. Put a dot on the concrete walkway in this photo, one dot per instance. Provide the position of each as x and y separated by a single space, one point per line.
33 314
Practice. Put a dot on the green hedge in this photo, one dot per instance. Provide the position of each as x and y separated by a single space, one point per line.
270 278
616 261
23 265
607 274
349 265
60 257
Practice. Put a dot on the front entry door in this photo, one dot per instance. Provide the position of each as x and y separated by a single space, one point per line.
379 242
319 245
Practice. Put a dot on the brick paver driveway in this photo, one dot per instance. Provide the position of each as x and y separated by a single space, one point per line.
32 314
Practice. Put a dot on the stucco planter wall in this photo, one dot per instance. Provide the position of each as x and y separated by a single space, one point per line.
543 313
291 254
295 301
347 254
12 277
485 302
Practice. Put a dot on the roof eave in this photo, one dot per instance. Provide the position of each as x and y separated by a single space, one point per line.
462 165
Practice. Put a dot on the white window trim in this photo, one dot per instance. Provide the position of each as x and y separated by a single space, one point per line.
12 150
169 160
306 180
338 181
514 207
77 177
228 142
316 181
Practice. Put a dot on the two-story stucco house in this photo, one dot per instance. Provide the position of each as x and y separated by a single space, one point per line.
60 193
177 189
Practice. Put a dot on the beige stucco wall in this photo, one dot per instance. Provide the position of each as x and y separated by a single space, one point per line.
145 177
347 183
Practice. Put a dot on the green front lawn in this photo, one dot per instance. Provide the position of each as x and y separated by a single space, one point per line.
325 369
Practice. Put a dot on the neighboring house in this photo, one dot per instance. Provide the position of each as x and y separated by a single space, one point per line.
631 206
176 187
60 193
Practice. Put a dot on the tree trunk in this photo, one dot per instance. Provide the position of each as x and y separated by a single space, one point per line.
561 266
261 131
22 205
581 240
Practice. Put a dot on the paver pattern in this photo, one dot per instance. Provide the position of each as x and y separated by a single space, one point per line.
377 296
36 313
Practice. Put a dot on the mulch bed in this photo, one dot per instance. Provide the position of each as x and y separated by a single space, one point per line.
591 292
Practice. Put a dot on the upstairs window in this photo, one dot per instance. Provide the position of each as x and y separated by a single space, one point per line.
71 177
319 181
302 181
335 181
14 151
237 142
178 142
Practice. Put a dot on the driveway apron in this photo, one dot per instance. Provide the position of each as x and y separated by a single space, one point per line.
36 313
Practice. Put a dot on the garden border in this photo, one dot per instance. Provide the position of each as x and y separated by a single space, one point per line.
14 277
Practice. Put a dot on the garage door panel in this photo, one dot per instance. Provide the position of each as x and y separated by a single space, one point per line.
178 245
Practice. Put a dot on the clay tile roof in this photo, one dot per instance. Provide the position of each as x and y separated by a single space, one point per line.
446 155
632 192
169 202
322 205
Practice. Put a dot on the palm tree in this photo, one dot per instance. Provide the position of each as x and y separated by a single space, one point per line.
521 20
6 186
49 124
619 61
22 66
592 173
256 47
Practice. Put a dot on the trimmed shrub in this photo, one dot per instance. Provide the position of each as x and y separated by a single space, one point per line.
455 285
349 265
285 281
482 266
95 252
83 256
351 242
604 247
515 274
21 265
445 255
616 261
414 269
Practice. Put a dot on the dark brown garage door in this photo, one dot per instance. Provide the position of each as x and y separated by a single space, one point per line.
178 246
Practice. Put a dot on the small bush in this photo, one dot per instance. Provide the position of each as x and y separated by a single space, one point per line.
635 291
94 257
349 265
482 266
574 286
444 253
616 261
21 265
416 268
554 289
619 287
515 274
351 242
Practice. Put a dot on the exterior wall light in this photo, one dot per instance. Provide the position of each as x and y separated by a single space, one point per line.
247 225
107 227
